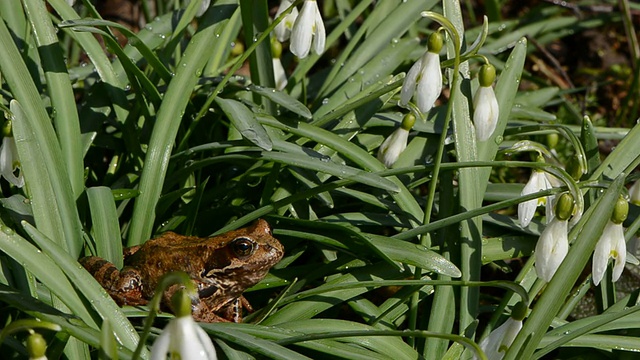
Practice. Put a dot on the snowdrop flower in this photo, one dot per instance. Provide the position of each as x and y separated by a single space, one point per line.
182 338
553 245
611 245
537 182
634 193
486 110
307 27
500 339
283 29
9 161
278 70
395 144
424 79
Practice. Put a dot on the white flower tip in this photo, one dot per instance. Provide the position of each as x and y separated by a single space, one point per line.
392 147
551 249
486 113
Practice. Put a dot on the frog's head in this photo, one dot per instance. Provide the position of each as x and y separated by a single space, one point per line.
240 259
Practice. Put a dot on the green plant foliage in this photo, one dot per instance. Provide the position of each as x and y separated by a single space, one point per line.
121 134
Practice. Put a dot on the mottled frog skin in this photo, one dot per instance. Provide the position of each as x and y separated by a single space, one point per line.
221 267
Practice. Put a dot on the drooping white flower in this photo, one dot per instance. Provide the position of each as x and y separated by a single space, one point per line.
424 79
610 245
182 338
485 104
279 74
496 344
537 182
634 193
283 29
500 339
395 144
308 28
551 249
9 162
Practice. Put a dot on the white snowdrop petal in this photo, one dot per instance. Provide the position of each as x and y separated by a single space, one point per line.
409 83
551 249
486 112
393 146
279 74
320 37
430 83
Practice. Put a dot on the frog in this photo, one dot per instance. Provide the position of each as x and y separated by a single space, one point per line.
221 267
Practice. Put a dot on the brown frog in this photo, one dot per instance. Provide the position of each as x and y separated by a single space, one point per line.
221 267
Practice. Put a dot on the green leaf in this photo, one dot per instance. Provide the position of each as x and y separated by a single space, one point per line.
89 287
283 99
169 118
53 203
106 229
245 121
415 254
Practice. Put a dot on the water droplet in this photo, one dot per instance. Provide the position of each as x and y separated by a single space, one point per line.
499 139
325 101
428 159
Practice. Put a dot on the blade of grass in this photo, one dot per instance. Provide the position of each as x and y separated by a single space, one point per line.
115 85
105 230
46 270
169 118
62 97
53 203
87 285
255 20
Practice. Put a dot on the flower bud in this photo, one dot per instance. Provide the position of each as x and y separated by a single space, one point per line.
36 346
620 211
487 75
574 168
6 129
408 121
519 311
276 49
435 42
181 303
564 207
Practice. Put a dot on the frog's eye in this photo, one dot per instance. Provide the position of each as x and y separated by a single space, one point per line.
242 246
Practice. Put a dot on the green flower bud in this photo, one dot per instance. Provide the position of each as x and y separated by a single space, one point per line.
519 311
276 48
435 42
574 168
408 121
181 303
552 140
7 130
237 49
487 75
620 211
564 207
36 346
